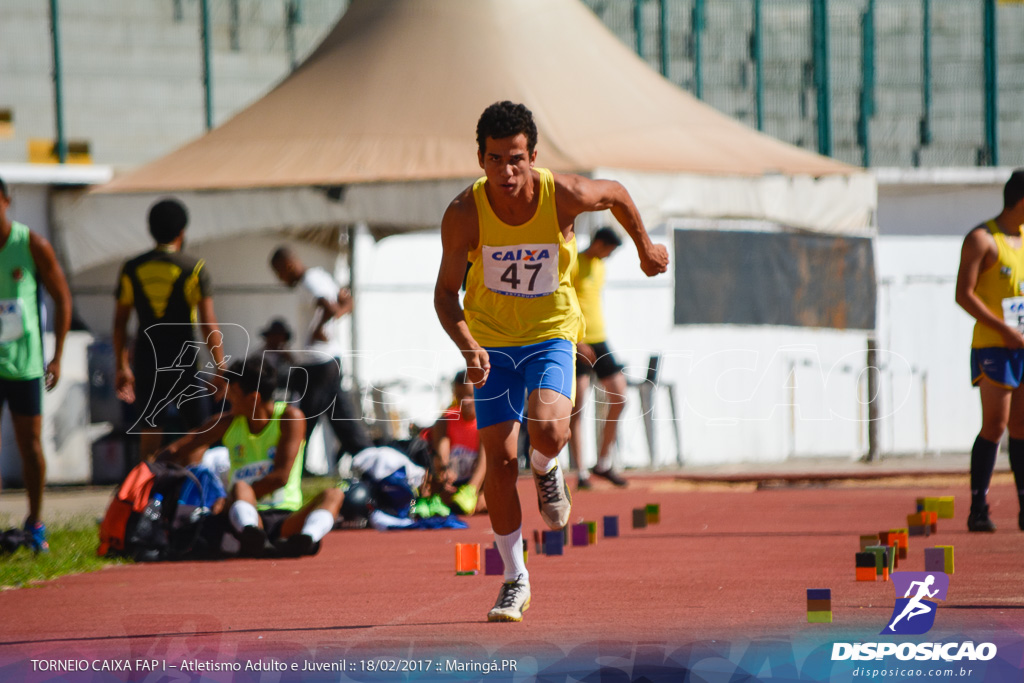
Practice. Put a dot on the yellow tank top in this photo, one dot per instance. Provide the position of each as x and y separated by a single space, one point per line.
589 283
519 286
1001 282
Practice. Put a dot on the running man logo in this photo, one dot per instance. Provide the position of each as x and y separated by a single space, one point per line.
913 613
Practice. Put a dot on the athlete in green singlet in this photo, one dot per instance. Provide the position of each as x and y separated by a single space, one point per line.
265 441
26 261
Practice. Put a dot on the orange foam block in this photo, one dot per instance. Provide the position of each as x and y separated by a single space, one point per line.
467 559
866 573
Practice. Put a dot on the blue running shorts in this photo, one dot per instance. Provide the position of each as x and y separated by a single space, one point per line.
1001 366
516 371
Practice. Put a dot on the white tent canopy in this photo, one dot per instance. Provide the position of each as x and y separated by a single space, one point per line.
386 109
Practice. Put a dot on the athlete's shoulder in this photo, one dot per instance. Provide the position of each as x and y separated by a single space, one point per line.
293 413
461 215
980 235
464 202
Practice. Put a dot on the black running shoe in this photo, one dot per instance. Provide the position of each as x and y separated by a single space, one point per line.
978 520
254 542
299 545
610 475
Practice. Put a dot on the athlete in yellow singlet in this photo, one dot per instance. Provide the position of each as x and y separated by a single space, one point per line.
594 357
266 440
520 321
990 286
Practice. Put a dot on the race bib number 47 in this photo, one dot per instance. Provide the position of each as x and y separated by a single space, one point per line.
527 270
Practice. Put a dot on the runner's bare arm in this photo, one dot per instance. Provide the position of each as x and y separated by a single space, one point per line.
575 194
213 337
189 449
459 234
293 431
124 382
978 252
57 286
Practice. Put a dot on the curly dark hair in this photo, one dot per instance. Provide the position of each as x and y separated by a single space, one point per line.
252 374
504 120
1013 191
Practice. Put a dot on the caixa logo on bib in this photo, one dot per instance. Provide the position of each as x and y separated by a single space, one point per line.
914 613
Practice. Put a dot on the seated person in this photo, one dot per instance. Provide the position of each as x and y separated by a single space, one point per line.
459 463
265 441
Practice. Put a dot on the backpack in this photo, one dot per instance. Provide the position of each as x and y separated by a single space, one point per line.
136 525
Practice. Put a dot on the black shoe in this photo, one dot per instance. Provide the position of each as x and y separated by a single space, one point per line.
978 520
299 545
584 484
610 475
254 542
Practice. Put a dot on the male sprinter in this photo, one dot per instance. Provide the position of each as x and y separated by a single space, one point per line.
990 286
519 323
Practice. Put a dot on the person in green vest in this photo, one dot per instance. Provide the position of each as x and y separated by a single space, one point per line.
26 260
266 442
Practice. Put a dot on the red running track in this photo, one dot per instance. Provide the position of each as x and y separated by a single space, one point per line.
724 563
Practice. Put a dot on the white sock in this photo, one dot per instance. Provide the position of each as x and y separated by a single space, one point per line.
541 462
318 523
510 547
243 514
604 463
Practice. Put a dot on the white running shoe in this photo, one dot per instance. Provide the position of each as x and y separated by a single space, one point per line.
513 600
553 497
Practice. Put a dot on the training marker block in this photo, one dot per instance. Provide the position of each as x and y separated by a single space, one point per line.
467 559
866 574
611 526
819 617
493 564
868 539
947 558
901 536
653 513
640 518
934 560
580 535
946 507
554 543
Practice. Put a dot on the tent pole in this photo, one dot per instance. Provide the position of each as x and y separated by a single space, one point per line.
353 317
61 146
872 399
207 39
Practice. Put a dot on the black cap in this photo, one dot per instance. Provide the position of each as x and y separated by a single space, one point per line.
277 326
